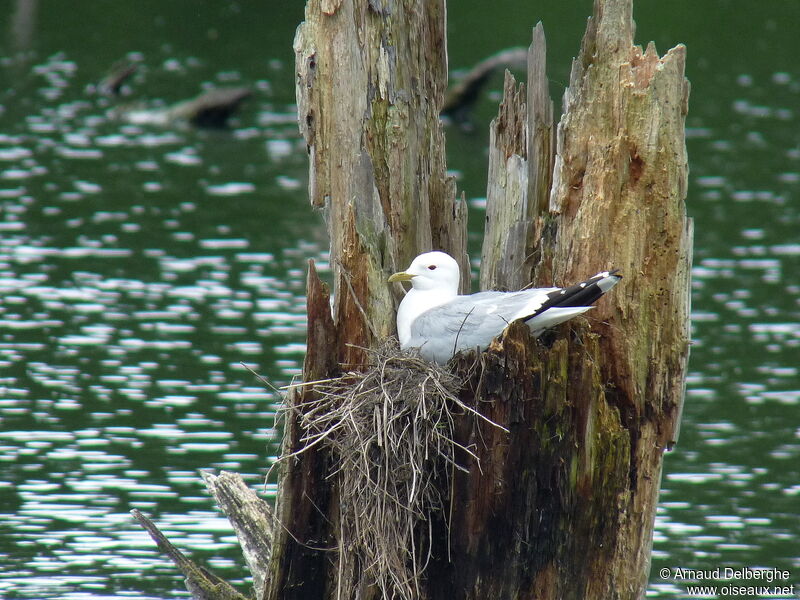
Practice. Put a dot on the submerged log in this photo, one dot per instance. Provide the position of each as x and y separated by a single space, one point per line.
111 84
210 109
464 94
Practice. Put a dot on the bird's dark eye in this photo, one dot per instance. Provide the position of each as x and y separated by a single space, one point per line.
432 267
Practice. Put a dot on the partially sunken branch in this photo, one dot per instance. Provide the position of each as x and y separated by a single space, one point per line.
202 584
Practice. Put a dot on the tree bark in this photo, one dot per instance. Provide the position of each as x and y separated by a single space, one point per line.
370 84
508 252
371 81
520 174
564 506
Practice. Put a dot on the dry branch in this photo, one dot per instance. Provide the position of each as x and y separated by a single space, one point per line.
251 518
202 584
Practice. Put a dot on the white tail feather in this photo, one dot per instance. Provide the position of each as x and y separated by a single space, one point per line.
554 316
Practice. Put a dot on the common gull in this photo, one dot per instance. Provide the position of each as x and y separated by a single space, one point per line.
434 318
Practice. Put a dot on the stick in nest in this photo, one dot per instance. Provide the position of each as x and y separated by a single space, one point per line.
390 430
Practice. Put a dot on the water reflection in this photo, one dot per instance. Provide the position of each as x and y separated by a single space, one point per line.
729 496
144 272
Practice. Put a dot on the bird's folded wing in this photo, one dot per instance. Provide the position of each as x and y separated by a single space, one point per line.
470 321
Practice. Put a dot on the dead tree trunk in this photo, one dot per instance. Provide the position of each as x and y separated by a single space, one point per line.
564 506
371 81
553 493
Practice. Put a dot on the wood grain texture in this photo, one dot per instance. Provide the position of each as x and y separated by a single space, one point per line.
251 518
521 149
565 507
370 83
506 257
541 126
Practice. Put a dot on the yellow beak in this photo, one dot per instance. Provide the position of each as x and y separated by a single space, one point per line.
401 276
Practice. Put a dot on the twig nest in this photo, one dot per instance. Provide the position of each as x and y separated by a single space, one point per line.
390 432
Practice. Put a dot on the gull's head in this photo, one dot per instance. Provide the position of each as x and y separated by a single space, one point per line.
431 271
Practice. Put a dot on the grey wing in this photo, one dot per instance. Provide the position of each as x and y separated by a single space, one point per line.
511 305
467 322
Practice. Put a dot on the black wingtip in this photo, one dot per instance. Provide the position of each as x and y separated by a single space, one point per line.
584 293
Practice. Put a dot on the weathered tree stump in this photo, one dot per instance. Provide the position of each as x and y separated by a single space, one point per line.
565 507
591 416
371 79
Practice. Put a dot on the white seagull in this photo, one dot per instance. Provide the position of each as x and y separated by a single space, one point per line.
435 319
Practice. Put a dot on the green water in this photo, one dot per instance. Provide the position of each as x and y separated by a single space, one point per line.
145 270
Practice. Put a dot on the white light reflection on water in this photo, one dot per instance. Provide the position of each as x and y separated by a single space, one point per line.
725 498
139 268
